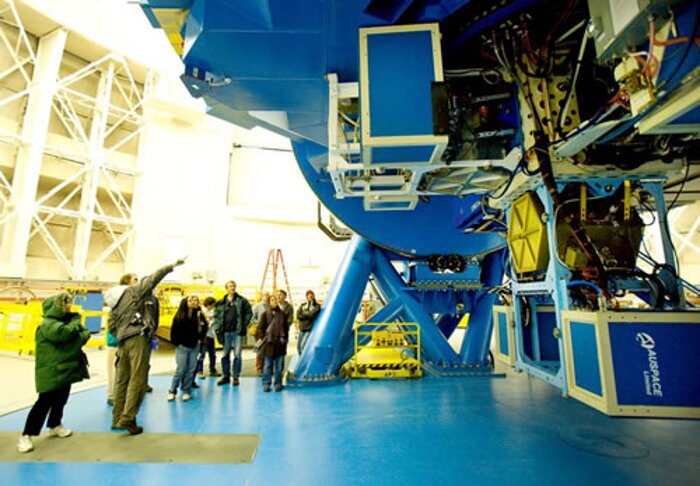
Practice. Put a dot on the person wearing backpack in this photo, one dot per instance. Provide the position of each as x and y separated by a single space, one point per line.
111 297
133 325
60 362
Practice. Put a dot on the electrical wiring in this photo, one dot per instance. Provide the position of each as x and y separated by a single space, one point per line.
556 216
572 83
668 42
490 216
584 283
619 99
507 186
670 85
650 210
503 62
650 65
685 178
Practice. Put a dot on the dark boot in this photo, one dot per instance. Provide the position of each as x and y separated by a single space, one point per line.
131 427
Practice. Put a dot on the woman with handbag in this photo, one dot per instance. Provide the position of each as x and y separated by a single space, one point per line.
59 363
273 335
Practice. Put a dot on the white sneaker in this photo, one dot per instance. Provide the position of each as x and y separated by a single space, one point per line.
186 397
171 397
60 431
24 444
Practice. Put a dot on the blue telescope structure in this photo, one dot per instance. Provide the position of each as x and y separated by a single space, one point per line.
481 153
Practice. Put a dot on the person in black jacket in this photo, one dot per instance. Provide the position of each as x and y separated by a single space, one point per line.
306 316
232 315
274 328
186 333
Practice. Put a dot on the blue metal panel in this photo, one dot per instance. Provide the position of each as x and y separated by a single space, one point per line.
656 363
503 333
389 11
249 52
692 117
400 72
418 153
269 92
548 344
585 357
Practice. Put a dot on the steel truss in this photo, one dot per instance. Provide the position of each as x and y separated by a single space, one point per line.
98 123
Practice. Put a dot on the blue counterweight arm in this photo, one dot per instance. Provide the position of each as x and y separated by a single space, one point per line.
475 347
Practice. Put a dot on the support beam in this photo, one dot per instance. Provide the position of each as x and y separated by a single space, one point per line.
90 183
15 240
324 353
475 347
435 348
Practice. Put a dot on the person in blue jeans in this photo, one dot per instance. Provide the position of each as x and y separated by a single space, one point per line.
274 329
232 315
208 347
186 334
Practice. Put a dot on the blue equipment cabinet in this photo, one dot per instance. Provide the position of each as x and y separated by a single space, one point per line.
397 66
634 363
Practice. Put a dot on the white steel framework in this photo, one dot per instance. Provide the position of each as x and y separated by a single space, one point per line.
99 110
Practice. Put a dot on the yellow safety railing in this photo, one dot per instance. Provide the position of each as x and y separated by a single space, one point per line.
393 351
170 295
18 323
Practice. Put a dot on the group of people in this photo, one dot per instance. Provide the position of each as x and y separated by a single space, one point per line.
132 325
229 320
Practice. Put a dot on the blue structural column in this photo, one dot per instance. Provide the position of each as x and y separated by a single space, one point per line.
325 351
475 347
435 348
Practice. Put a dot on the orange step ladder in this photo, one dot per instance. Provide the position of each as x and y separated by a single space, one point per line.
275 262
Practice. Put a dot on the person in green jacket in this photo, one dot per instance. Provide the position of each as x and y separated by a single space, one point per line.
59 363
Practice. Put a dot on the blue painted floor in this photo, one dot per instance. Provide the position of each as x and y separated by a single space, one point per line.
516 430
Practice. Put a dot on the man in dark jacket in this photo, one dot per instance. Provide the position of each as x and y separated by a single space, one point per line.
133 325
60 362
306 316
232 315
